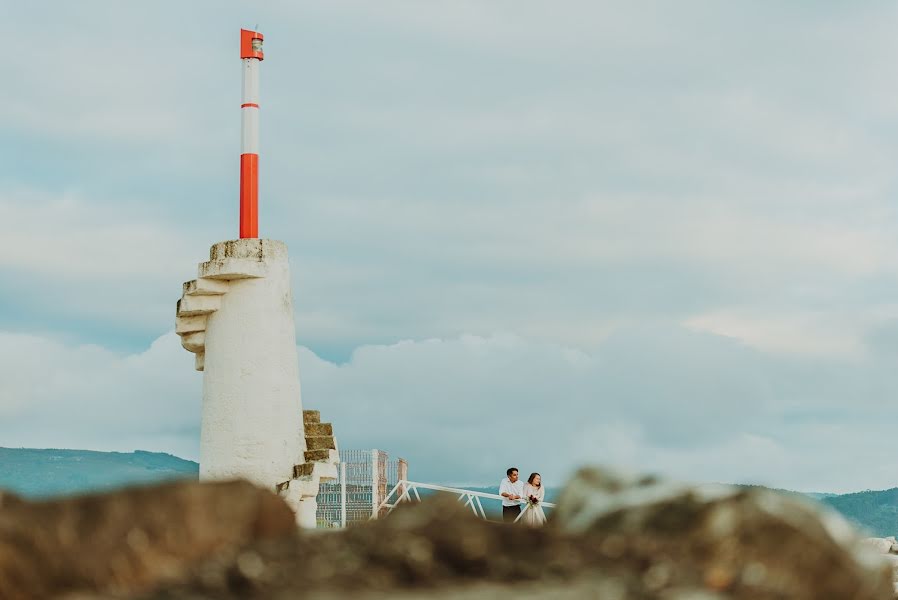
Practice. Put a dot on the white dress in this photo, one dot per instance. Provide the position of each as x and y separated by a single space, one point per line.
533 513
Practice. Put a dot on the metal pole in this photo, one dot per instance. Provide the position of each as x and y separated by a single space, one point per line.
251 55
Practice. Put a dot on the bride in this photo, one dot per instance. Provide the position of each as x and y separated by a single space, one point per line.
534 493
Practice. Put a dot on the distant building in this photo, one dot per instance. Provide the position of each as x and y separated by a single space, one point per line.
365 478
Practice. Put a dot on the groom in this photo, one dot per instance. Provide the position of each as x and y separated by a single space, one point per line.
511 490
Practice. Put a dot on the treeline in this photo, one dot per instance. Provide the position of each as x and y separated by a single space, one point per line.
39 473
875 511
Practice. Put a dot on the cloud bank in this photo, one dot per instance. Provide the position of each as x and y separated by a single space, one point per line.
668 400
680 218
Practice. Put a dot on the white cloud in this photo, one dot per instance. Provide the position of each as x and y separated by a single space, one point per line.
58 396
825 334
462 169
809 333
67 236
693 406
584 177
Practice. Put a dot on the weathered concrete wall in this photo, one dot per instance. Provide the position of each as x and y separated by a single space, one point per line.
238 318
252 411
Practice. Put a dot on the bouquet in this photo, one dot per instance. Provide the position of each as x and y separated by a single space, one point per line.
533 501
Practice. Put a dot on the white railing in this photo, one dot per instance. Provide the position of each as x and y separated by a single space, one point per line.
404 489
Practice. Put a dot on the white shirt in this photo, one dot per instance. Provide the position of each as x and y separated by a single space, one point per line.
514 489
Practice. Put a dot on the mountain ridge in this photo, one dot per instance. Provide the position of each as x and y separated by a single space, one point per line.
46 472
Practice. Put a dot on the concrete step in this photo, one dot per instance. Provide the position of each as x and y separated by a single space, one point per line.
303 470
191 306
311 416
320 442
194 342
204 287
320 471
232 268
306 487
326 471
325 455
313 429
184 325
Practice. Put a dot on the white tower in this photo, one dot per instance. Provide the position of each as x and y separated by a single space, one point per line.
237 317
252 412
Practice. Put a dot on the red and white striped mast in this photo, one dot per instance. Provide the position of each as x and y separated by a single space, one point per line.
251 54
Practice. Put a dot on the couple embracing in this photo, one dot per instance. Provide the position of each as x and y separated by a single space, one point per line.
521 499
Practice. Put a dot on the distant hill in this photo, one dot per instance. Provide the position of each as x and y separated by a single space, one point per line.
42 473
37 473
875 511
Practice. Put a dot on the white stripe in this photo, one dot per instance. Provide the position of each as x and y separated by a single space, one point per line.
249 132
250 81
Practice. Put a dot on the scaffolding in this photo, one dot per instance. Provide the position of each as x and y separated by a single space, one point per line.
364 479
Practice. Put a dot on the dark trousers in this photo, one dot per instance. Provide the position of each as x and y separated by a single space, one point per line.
510 513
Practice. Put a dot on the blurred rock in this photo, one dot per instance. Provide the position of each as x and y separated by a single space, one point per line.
611 538
8 499
884 549
742 542
878 545
130 539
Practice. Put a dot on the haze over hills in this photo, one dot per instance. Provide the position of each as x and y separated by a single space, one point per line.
41 473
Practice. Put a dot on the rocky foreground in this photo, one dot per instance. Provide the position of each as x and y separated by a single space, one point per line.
610 538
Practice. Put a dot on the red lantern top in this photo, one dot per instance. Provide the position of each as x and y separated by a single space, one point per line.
251 44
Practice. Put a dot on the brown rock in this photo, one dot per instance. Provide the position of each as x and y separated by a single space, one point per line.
131 539
612 539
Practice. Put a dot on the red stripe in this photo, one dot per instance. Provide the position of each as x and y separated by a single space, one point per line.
249 104
249 195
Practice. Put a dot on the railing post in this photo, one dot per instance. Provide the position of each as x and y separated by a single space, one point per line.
343 494
375 505
402 475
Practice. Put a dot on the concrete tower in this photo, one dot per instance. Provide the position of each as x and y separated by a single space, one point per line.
237 317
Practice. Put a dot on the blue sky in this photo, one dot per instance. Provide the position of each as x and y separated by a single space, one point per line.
656 236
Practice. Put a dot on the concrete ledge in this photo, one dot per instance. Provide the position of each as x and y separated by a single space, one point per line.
191 306
194 342
304 487
205 287
325 471
190 324
199 362
255 249
232 268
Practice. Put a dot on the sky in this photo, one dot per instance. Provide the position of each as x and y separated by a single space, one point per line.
656 236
